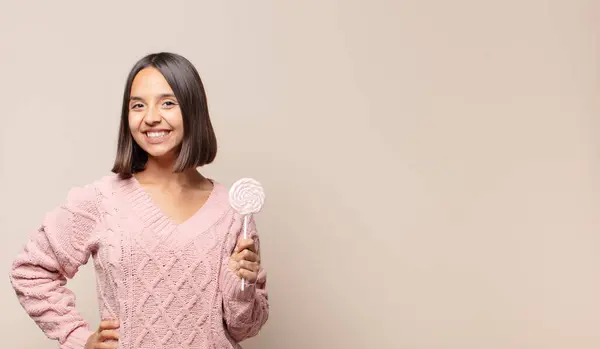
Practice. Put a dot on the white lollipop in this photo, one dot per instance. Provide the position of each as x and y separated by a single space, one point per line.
247 197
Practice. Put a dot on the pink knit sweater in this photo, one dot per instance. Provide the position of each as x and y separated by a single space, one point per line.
169 284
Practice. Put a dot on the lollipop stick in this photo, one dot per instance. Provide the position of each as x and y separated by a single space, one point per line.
245 237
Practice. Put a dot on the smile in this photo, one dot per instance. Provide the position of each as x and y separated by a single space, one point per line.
155 137
157 134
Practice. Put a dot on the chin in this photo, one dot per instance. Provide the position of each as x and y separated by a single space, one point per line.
159 153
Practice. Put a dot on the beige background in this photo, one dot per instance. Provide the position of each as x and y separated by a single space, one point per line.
431 166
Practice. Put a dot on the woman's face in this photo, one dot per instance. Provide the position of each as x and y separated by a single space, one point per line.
155 118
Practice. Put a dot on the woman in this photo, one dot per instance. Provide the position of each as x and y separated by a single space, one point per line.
166 245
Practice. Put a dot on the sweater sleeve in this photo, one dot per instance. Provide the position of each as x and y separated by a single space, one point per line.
53 253
245 312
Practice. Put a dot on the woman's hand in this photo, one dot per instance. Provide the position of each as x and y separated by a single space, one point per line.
106 337
245 261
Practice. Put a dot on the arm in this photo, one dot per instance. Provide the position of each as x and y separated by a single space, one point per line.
245 312
54 253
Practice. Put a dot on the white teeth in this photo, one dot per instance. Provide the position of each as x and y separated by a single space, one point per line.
157 134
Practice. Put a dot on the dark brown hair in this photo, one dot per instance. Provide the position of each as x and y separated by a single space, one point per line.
199 145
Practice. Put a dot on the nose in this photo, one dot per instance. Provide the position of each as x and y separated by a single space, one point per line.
152 117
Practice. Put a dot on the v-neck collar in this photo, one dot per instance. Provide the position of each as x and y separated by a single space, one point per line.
162 225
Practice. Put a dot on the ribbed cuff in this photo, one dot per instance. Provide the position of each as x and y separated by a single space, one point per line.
232 287
77 339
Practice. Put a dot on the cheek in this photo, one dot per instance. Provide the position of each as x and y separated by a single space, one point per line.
174 119
134 122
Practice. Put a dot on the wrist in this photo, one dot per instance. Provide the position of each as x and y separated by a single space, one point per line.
232 287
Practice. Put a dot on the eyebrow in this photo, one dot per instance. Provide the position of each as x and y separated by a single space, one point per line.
161 96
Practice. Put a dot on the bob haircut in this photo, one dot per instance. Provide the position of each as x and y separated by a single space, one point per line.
199 145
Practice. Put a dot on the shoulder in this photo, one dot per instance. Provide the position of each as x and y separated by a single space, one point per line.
219 199
110 181
111 184
90 195
220 206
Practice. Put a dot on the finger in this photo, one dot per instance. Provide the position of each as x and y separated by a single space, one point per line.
246 255
245 244
250 266
109 335
103 345
247 275
108 325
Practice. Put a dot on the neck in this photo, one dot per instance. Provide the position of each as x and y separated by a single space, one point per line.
160 172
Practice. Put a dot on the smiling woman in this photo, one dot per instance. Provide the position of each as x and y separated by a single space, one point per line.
164 96
165 242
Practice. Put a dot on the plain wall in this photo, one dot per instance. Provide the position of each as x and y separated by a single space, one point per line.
431 167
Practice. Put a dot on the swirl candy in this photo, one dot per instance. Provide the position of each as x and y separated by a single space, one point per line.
246 196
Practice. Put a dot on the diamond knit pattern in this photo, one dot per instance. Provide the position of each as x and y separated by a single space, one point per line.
169 284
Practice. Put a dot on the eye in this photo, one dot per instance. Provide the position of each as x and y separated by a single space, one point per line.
137 106
169 104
